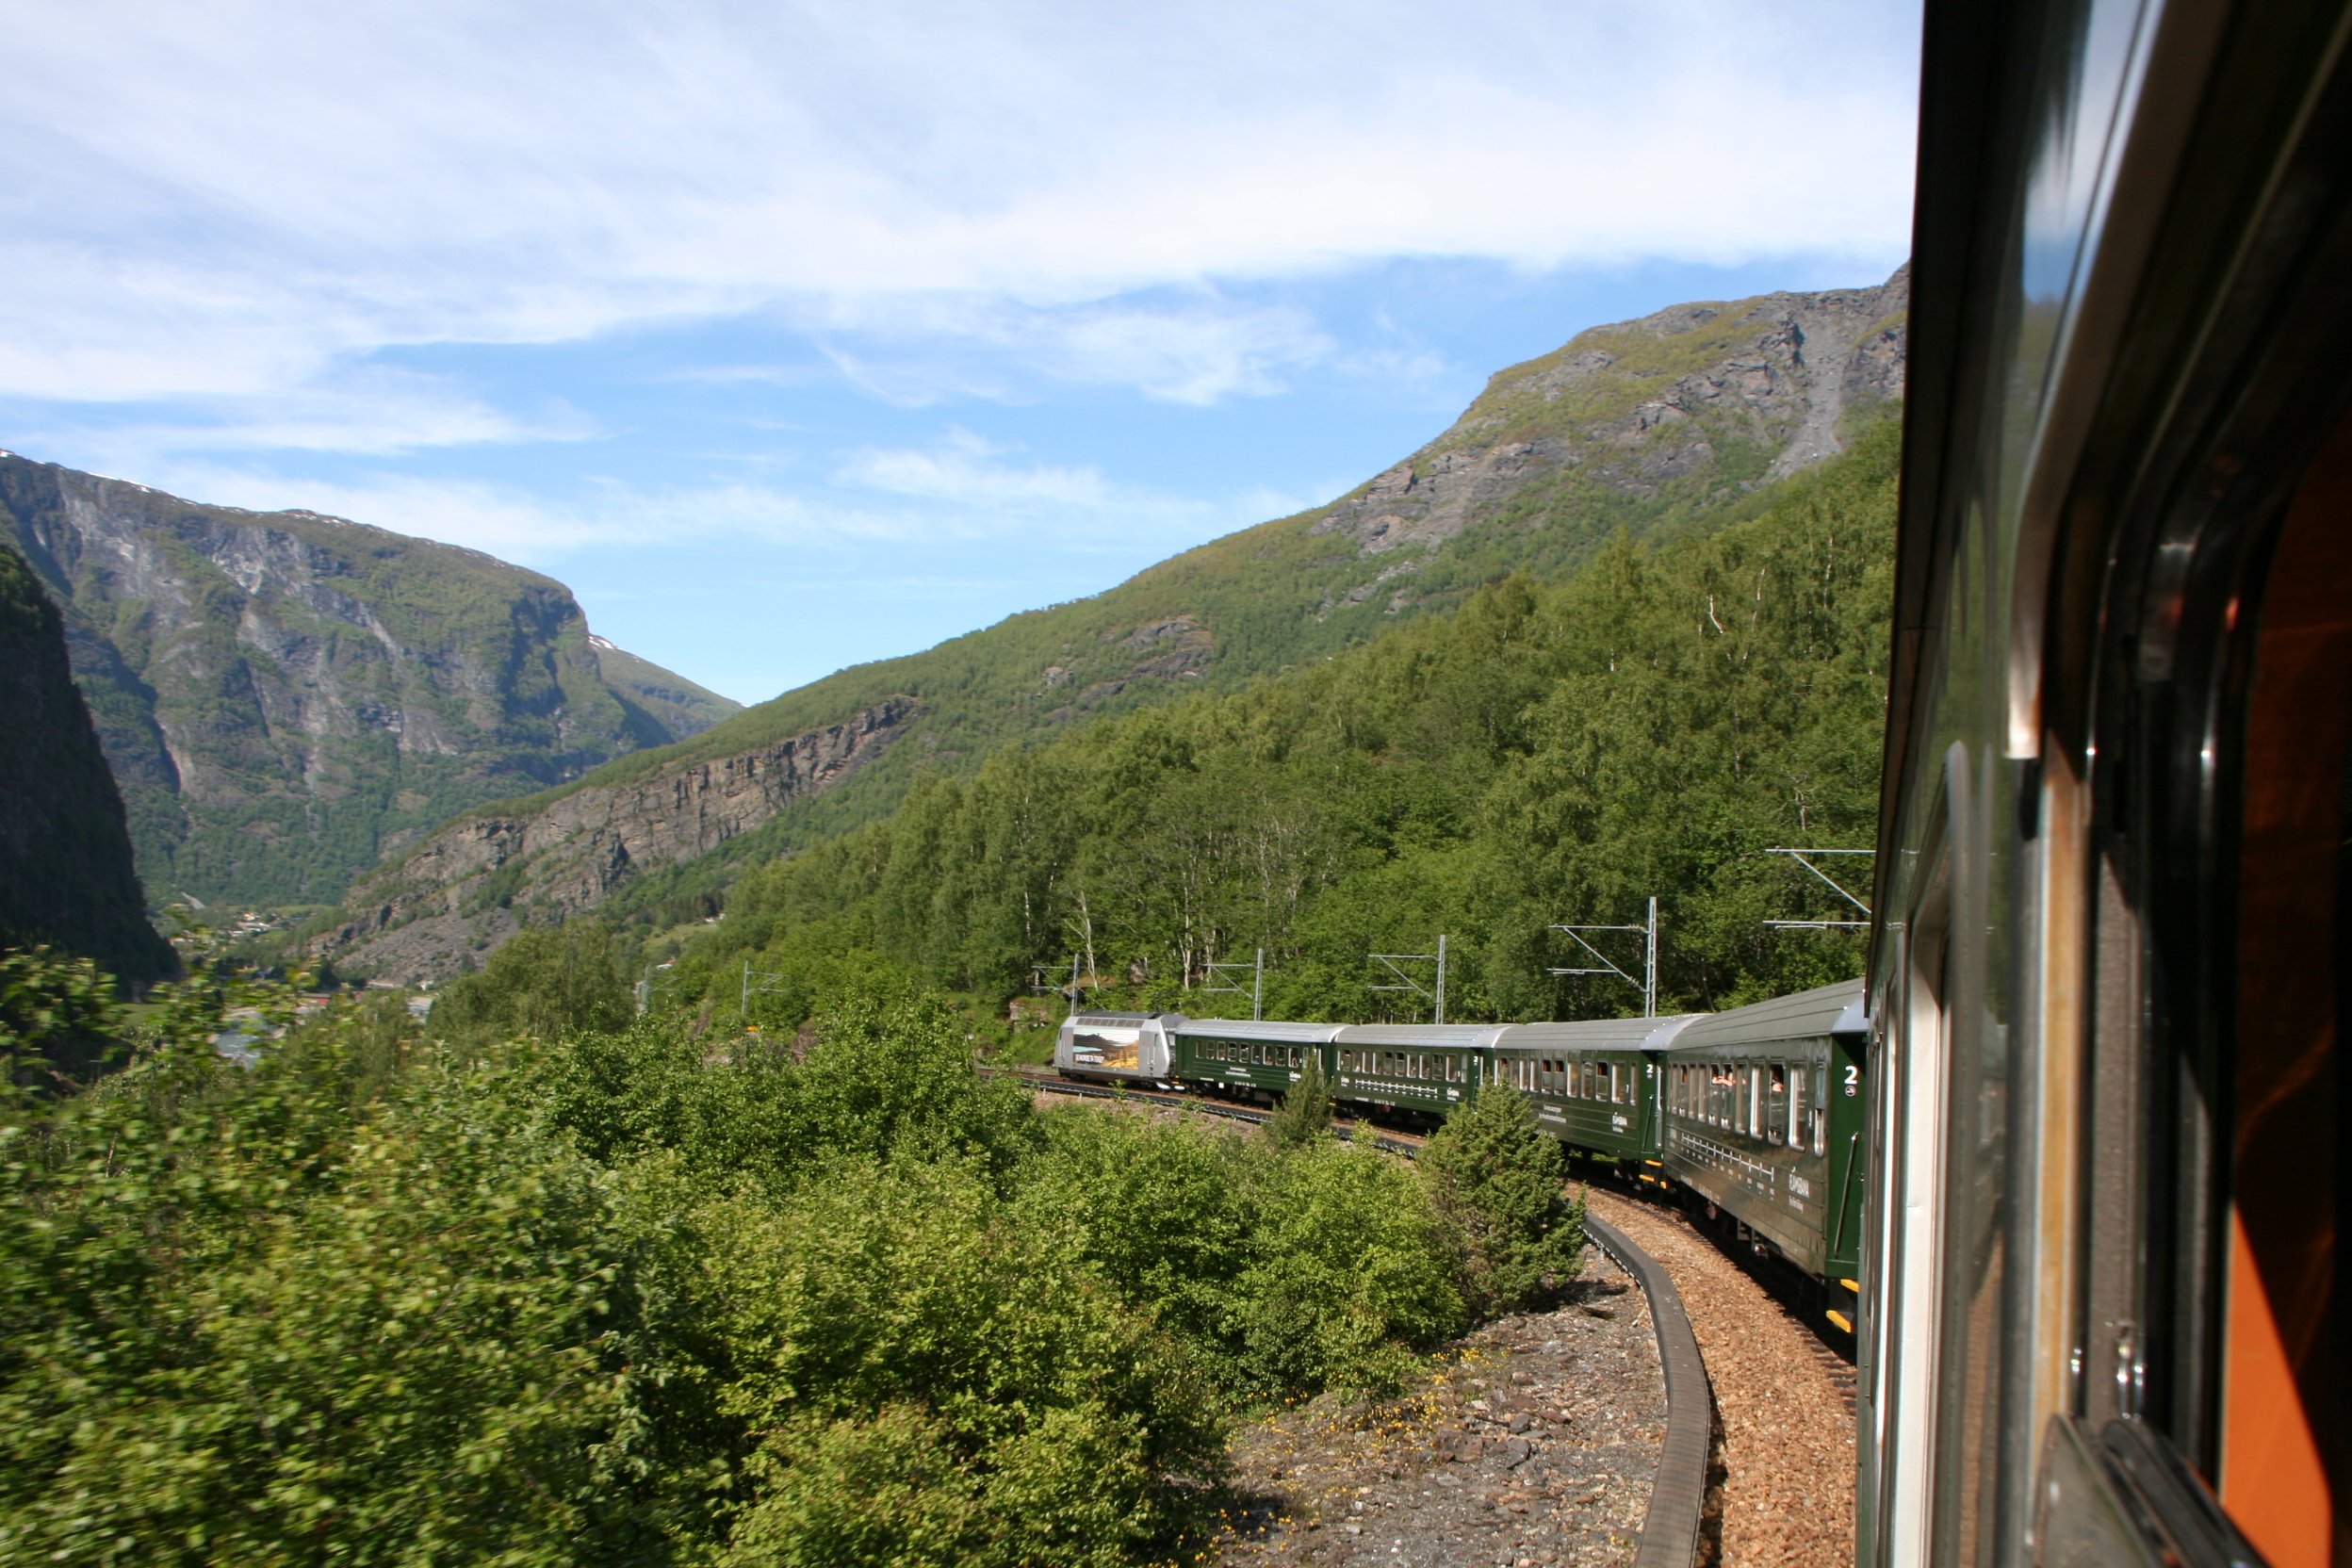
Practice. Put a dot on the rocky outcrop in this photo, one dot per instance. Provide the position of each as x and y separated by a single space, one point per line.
1176 648
1679 407
66 877
284 696
473 884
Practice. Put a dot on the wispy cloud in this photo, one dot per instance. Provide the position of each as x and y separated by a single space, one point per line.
961 491
227 200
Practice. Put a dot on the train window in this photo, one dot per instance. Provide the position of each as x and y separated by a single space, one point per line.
1797 1103
1776 1102
1820 1111
1623 1074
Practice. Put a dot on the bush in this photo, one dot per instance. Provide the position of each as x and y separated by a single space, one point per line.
622 1299
547 983
1499 1188
1305 1114
932 1380
1348 1273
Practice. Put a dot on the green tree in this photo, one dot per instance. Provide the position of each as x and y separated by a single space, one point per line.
547 983
1305 1114
1498 1183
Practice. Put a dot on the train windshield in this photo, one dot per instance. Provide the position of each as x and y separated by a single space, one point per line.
1107 1045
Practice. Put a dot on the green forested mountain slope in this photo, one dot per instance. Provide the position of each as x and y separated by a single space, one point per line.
1680 421
283 697
1546 755
66 877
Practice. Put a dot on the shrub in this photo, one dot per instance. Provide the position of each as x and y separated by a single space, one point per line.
1305 1114
1348 1272
1498 1186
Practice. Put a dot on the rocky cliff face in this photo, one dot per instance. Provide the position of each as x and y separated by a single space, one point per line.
66 877
470 886
1673 411
285 696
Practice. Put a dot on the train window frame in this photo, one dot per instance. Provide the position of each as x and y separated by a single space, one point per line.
1777 1128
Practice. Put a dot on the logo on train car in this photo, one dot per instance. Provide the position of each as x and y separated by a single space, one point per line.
1109 1048
1617 1120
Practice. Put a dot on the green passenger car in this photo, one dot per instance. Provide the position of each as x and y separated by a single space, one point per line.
1249 1059
1593 1083
1422 1068
1762 1110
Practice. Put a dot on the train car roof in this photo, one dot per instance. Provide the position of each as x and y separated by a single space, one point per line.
1260 1029
1807 1016
1124 1018
1423 1037
1600 1034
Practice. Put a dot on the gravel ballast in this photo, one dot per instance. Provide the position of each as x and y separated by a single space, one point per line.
1532 1443
1786 1436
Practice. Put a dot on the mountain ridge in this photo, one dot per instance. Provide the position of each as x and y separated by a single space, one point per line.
1674 421
285 696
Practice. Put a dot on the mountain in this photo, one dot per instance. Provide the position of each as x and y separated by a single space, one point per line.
476 883
284 696
1685 420
66 874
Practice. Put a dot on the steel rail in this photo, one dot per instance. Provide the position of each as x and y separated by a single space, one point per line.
1670 1530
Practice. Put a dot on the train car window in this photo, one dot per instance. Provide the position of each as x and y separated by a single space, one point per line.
1797 1103
1776 1103
1623 1072
1740 1100
1755 1103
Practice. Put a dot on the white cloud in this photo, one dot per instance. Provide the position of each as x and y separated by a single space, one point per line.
374 412
961 492
223 200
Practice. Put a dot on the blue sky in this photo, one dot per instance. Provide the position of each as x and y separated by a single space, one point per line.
792 335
